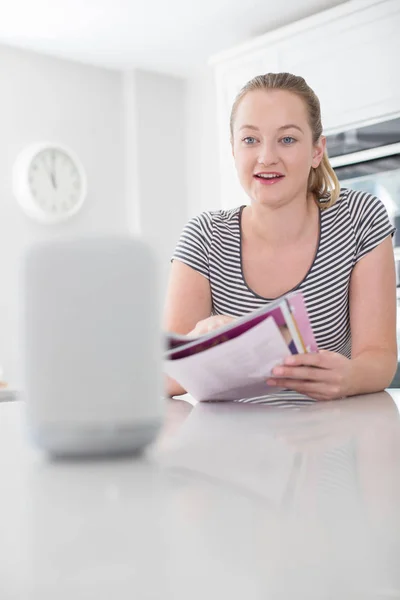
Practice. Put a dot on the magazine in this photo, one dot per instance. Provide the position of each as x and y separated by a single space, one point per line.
234 361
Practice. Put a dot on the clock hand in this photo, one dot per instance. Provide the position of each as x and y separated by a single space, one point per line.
50 173
53 170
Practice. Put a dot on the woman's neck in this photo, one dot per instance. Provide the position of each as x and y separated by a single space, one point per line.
280 226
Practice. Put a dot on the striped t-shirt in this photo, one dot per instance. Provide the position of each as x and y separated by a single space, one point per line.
211 244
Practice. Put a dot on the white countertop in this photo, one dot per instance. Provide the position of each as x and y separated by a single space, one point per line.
233 502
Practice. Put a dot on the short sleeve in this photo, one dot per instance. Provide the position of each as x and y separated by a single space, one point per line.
371 223
194 244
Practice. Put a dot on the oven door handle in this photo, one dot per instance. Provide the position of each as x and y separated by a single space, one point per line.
365 155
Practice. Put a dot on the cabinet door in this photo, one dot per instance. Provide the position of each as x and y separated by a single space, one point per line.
351 64
230 78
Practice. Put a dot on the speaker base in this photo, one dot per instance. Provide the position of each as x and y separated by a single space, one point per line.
79 441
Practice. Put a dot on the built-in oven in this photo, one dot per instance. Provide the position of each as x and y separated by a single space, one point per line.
367 158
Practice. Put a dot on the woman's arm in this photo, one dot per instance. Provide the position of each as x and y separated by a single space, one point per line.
373 320
329 375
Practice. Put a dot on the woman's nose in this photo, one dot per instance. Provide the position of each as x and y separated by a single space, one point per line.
267 154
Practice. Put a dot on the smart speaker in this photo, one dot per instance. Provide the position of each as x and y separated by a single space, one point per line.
90 345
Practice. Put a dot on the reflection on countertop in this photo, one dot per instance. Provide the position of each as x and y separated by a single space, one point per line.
323 483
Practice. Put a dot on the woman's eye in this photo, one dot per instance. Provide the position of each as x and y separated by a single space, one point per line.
249 140
287 140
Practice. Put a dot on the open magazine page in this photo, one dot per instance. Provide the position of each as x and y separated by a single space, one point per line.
300 317
233 370
174 340
177 340
280 313
297 346
289 312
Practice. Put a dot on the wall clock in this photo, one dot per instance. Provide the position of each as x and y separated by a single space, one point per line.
49 182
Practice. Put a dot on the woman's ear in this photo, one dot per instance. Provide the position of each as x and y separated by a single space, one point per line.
318 152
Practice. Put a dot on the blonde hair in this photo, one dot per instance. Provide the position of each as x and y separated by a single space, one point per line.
322 181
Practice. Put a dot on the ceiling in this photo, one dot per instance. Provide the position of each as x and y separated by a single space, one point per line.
174 36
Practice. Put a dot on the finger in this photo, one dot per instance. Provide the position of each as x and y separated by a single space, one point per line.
322 360
316 390
225 319
221 321
301 373
215 325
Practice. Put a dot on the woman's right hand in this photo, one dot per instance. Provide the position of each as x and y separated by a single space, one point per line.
172 387
206 325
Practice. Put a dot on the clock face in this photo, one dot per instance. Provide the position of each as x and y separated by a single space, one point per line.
55 182
49 182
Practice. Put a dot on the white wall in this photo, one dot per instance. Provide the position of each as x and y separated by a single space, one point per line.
172 155
202 137
159 159
148 143
50 99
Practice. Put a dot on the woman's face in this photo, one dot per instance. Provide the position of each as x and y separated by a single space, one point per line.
273 148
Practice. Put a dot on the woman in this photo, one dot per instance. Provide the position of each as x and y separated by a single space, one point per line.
300 232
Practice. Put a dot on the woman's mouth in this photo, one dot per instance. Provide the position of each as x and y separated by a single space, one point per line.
269 178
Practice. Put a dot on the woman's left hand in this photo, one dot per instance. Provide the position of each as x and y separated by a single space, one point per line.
322 375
